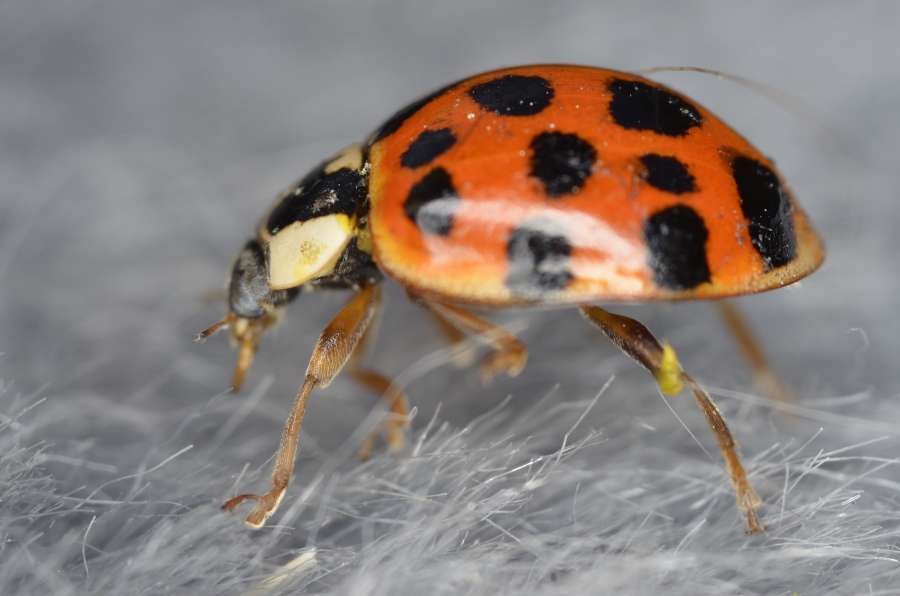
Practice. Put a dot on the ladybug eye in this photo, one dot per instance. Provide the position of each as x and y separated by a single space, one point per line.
308 249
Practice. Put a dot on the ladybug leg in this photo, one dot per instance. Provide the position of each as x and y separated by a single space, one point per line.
461 358
509 354
660 359
397 422
245 335
766 378
332 351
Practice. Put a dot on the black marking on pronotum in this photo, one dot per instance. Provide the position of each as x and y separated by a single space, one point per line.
353 270
538 254
667 173
513 95
676 237
640 106
427 146
561 161
768 209
432 202
393 124
342 191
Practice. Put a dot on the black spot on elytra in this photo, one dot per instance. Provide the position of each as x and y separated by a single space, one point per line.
538 260
561 161
640 106
768 210
317 194
427 146
676 237
432 202
667 173
393 124
513 95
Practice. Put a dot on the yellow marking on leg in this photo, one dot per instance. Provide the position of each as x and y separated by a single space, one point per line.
668 376
633 338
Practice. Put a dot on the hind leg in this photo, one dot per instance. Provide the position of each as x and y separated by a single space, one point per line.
660 359
763 374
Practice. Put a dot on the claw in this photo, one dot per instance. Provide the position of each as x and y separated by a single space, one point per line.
265 506
395 429
510 360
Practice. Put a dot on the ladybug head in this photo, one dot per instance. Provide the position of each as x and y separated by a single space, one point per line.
249 294
251 300
253 307
310 238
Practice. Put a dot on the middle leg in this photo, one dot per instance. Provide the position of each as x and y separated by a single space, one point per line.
397 422
508 354
763 374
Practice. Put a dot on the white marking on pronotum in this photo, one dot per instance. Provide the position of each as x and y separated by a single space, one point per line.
307 249
351 157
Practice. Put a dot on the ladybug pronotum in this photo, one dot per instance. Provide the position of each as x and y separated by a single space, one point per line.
534 185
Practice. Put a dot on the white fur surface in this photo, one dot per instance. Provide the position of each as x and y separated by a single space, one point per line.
139 143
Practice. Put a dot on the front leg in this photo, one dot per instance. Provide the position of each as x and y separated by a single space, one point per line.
332 351
245 335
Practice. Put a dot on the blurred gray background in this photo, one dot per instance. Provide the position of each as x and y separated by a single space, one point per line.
139 144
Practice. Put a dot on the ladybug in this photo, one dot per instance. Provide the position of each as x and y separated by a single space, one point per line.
549 185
